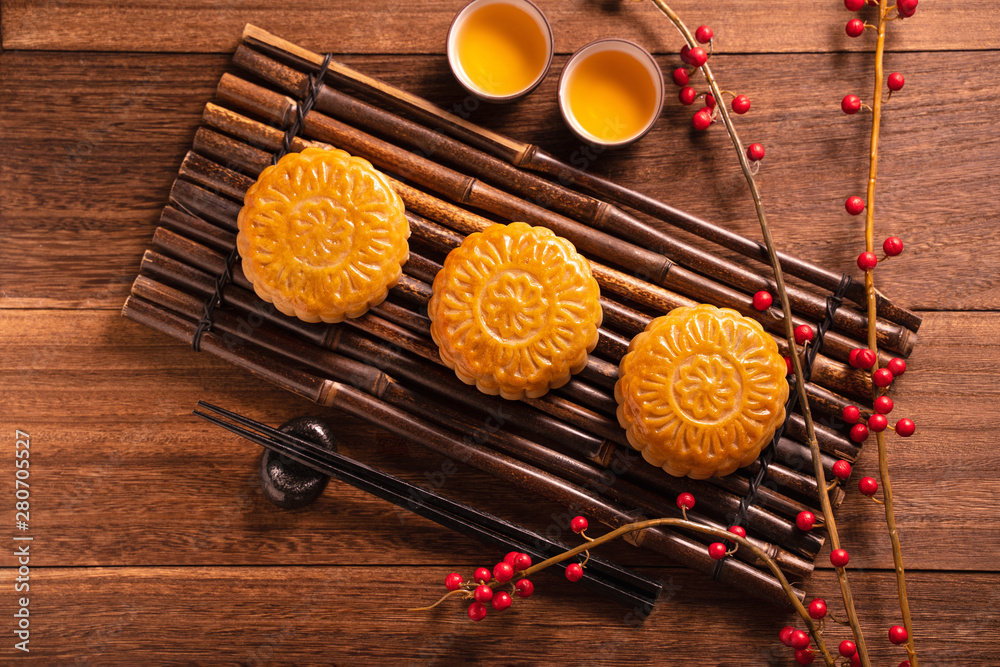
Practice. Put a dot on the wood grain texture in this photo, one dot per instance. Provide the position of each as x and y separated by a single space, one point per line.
324 615
103 184
153 541
179 476
382 26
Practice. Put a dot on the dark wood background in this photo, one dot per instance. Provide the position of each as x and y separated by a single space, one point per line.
152 540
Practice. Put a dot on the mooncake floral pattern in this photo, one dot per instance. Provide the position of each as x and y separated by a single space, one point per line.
515 310
701 391
322 235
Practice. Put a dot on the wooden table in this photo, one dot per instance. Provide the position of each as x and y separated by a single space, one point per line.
152 541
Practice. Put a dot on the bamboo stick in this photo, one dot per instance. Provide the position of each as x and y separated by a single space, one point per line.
829 440
559 198
226 181
531 157
465 190
625 286
384 354
376 382
203 284
370 408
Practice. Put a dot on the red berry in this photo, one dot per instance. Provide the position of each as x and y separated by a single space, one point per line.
704 34
483 593
851 414
762 300
866 358
510 557
867 261
697 56
896 366
805 520
503 572
847 648
882 377
896 81
905 427
453 581
574 572
859 432
685 501
898 634
717 550
805 656
842 470
799 639
710 101
524 588
687 95
755 152
839 557
883 404
686 54
579 524
855 27
852 357
856 660
702 119
905 663
482 575
502 600
738 530
817 608
892 246
854 205
740 104
868 486
854 5
803 333
906 8
851 104
788 366
477 611
786 635
877 422
681 76
522 562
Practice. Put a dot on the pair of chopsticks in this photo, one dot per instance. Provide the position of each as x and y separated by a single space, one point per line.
618 583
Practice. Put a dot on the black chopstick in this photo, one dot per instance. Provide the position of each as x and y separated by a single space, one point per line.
618 583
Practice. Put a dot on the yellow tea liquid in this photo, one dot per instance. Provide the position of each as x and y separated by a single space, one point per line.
611 95
502 49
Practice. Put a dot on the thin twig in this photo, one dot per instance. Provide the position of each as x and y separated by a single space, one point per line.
765 229
591 543
883 459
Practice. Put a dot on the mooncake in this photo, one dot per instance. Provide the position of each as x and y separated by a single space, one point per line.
701 391
515 310
323 235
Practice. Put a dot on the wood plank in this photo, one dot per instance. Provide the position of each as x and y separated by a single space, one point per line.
387 27
101 186
108 403
323 615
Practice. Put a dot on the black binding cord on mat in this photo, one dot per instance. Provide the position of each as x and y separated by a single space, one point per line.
301 109
833 302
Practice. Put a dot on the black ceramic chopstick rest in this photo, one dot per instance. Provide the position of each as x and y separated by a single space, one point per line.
288 484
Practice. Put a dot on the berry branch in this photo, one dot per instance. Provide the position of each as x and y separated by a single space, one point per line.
512 574
882 377
838 556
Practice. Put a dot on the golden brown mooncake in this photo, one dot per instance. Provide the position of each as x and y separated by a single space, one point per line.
701 391
515 310
322 235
